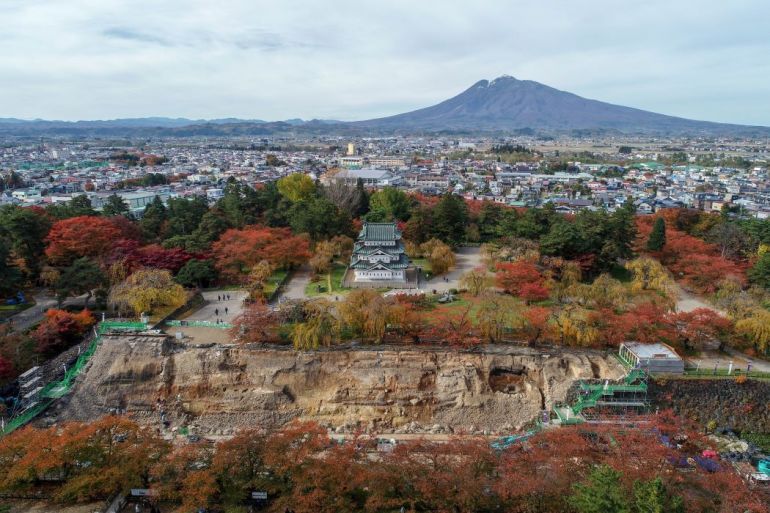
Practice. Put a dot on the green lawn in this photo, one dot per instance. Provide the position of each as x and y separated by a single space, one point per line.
329 283
427 271
273 281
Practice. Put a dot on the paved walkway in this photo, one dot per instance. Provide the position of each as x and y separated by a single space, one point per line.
215 305
466 259
34 314
295 287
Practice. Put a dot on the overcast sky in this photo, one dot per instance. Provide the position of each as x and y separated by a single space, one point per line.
100 59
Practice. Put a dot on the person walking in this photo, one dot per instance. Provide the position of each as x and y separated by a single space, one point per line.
216 312
219 298
225 310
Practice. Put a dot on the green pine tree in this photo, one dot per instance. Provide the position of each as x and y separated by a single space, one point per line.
658 235
601 494
652 497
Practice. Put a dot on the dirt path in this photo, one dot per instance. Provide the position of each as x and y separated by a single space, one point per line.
688 302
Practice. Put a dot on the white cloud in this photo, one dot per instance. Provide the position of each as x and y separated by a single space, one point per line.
87 59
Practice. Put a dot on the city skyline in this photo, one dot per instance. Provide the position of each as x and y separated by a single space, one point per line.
351 61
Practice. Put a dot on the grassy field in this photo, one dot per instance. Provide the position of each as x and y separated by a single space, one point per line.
274 281
329 283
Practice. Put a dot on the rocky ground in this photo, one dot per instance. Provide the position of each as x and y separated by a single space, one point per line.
732 405
218 388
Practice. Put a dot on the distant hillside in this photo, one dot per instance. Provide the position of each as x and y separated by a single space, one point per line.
506 104
503 105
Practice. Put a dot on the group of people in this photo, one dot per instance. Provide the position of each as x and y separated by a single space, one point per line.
222 297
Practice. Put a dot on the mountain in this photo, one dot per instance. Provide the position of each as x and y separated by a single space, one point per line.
508 104
150 122
503 105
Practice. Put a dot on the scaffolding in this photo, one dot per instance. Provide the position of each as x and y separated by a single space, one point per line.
33 404
617 398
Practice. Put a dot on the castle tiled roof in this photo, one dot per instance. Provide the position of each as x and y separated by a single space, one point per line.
379 231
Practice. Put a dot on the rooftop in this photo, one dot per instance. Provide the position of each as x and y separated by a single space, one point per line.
379 231
651 351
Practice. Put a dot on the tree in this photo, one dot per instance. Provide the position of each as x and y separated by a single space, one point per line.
756 328
701 325
657 238
564 240
26 231
257 323
296 187
760 271
604 292
83 236
240 205
115 206
367 313
153 219
145 290
602 493
238 250
519 278
60 330
197 273
498 315
321 261
652 497
649 274
319 328
184 215
389 204
575 325
440 256
78 206
10 275
258 276
450 219
82 277
318 217
477 280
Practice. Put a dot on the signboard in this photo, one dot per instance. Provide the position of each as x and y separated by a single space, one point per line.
259 496
140 492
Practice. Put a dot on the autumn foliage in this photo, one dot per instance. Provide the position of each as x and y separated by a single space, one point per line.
237 251
522 279
60 330
80 236
698 264
301 469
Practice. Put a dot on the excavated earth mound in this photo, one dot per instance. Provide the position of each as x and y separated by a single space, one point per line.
216 389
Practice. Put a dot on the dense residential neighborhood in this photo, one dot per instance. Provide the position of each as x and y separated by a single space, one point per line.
712 175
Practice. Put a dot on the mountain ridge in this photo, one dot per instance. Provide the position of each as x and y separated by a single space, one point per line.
506 103
502 105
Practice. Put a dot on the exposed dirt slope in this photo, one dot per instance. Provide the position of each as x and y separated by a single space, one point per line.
219 388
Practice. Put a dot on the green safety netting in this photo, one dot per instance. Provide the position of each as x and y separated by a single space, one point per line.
200 324
57 389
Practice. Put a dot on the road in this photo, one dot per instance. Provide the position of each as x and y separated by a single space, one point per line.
34 314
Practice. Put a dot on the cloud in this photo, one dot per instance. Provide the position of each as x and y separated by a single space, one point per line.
134 35
350 59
